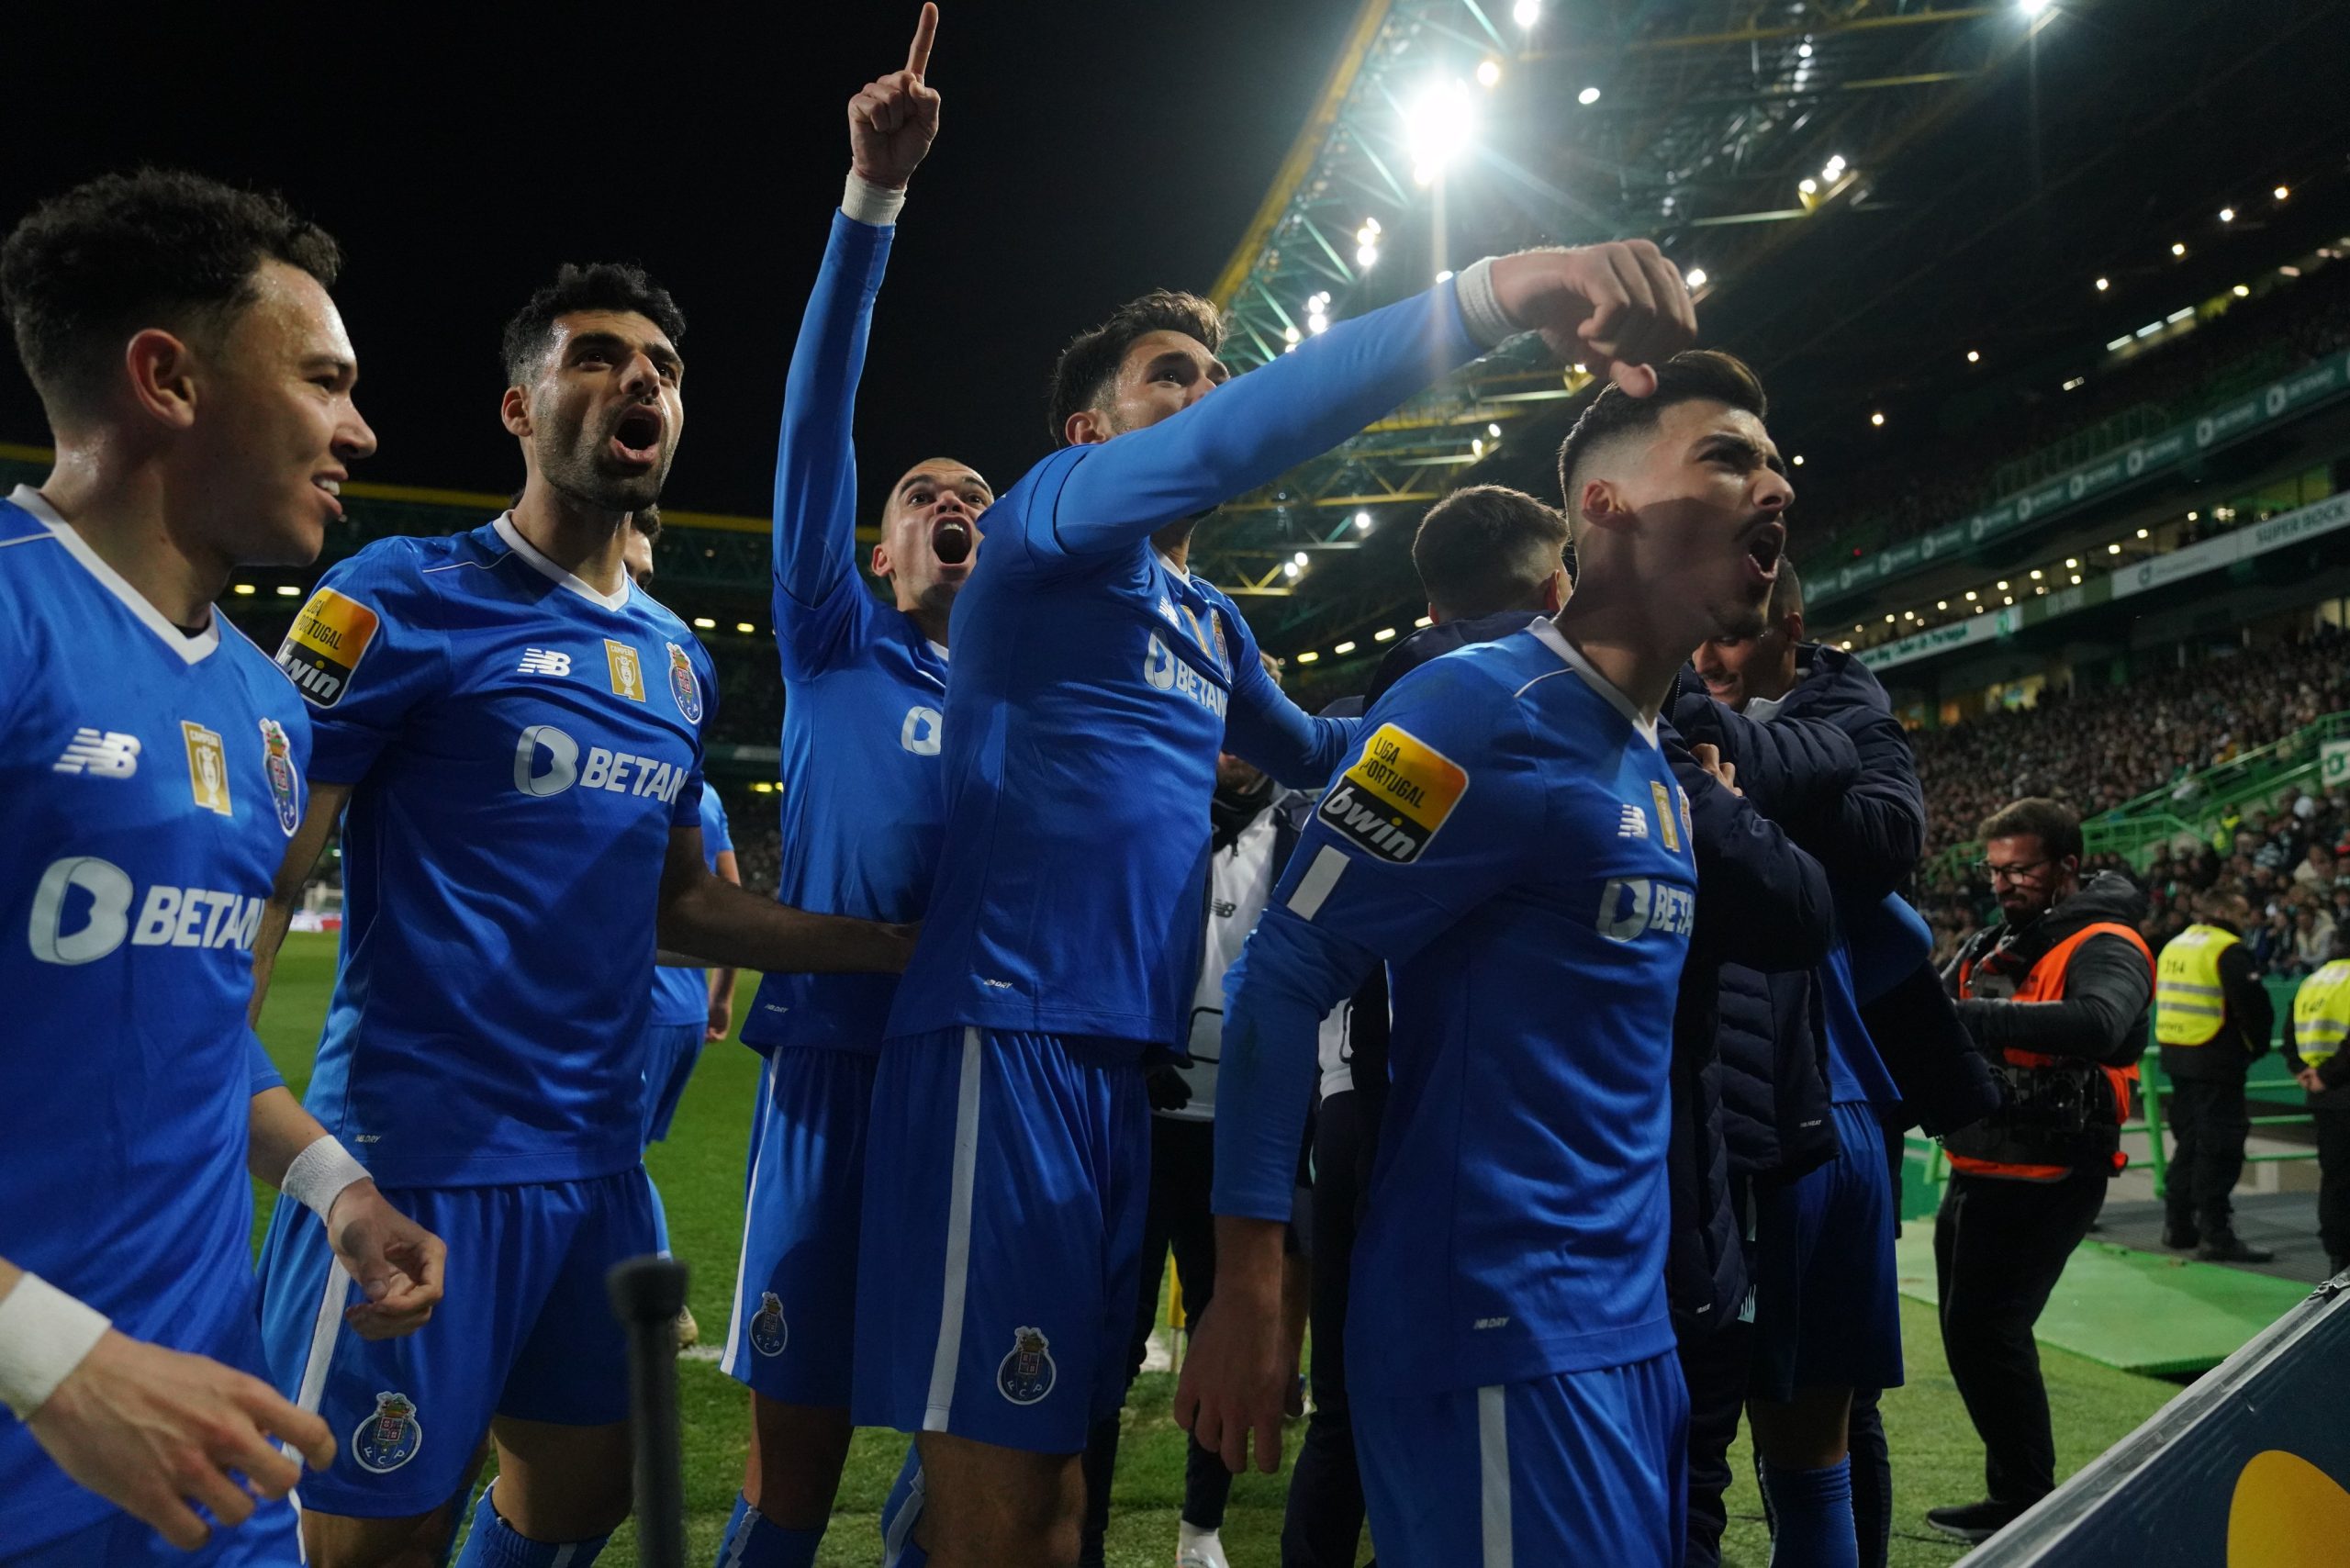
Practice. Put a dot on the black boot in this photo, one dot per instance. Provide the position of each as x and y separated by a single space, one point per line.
2180 1238
2226 1246
1973 1521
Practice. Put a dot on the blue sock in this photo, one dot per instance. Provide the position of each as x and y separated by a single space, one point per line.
492 1543
1815 1513
660 1217
898 1515
754 1541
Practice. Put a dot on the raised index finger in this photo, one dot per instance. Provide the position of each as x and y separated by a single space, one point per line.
918 57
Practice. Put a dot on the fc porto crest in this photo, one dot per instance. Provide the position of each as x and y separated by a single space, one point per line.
277 756
769 1332
1027 1373
389 1438
683 685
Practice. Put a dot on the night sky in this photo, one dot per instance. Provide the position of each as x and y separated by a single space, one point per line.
1088 152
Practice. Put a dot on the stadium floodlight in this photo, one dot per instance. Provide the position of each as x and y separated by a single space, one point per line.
2190 516
1796 460
2102 284
2226 215
1525 13
287 590
744 627
1289 570
1970 595
2142 532
1495 431
1369 233
2242 291
1590 95
245 588
1489 74
1888 618
2032 8
1316 321
2077 577
704 623
1696 277
1942 604
1423 621
1876 419
1362 522
1973 357
1343 649
2036 574
2178 247
1298 560
1385 634
2003 585
1366 256
1803 50
1309 656
1438 126
2113 549
2281 192
1808 185
2070 562
1290 334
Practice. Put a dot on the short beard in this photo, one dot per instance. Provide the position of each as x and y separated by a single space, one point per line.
579 475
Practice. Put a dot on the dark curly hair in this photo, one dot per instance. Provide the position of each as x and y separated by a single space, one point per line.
1091 362
123 253
599 285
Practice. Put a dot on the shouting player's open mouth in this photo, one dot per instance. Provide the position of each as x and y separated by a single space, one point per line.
1766 546
950 539
636 436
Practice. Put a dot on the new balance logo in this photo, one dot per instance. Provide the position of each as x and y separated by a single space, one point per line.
1634 824
107 755
544 661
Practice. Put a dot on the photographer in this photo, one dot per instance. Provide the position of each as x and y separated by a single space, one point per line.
2056 995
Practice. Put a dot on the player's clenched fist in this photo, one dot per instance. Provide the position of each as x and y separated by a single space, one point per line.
892 122
1621 307
153 1430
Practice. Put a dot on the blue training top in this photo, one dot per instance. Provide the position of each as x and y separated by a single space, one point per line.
1511 842
863 689
1094 684
522 747
152 781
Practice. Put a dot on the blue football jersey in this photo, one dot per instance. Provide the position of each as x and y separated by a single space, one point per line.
681 995
520 747
865 692
152 781
1510 841
1094 684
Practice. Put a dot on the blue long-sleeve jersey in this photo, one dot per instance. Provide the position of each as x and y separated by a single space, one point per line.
865 692
1511 842
1094 684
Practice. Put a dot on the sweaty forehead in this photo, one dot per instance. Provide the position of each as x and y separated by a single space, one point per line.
637 331
1702 416
943 471
296 307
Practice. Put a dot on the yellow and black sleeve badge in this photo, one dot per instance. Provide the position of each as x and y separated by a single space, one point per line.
324 646
1395 796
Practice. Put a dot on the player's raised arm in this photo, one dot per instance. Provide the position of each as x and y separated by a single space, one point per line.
1263 726
1619 303
150 1430
891 122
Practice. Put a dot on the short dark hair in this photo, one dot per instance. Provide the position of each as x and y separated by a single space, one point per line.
647 521
598 285
122 252
1487 548
1695 376
2055 823
1091 360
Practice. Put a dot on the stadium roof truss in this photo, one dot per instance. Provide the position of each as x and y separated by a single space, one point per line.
1450 129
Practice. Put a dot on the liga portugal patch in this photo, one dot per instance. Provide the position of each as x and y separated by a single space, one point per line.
325 645
1395 796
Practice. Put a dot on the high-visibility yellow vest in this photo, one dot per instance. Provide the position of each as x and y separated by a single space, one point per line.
2190 1005
2322 1012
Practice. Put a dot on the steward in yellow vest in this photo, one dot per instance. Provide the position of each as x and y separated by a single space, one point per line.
2212 1018
2315 1036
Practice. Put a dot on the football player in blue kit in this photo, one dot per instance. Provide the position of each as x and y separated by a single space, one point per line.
1511 842
518 733
691 1005
1096 681
199 381
864 803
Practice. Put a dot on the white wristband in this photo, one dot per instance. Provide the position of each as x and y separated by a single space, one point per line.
44 1334
868 203
319 1173
1481 308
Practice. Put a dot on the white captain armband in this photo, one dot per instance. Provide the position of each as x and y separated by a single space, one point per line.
319 1173
44 1335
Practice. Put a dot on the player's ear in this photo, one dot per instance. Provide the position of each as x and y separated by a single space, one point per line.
1555 591
882 568
514 410
1603 505
159 368
1085 428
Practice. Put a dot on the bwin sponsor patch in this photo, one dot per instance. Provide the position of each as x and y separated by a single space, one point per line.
1395 796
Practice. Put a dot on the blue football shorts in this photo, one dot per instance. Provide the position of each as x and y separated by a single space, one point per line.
1006 1180
791 1335
1827 1302
1582 1467
270 1539
526 1330
670 1052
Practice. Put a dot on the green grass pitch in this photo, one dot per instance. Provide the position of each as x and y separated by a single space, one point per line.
1936 1458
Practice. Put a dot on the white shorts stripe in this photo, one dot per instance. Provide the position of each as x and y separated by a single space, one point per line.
1315 885
898 1529
959 1238
324 1328
1493 1463
750 1208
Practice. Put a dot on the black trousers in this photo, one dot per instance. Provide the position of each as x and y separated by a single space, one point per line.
2334 1185
1999 1248
1182 1170
1323 1525
1716 1369
2208 1119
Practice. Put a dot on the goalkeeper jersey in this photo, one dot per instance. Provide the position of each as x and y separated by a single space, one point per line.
1510 841
520 747
152 781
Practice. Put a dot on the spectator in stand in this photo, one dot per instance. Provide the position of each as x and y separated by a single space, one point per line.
2316 869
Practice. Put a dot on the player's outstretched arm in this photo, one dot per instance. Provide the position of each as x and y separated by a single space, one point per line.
1620 305
707 920
396 1261
150 1430
1263 726
891 122
301 855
